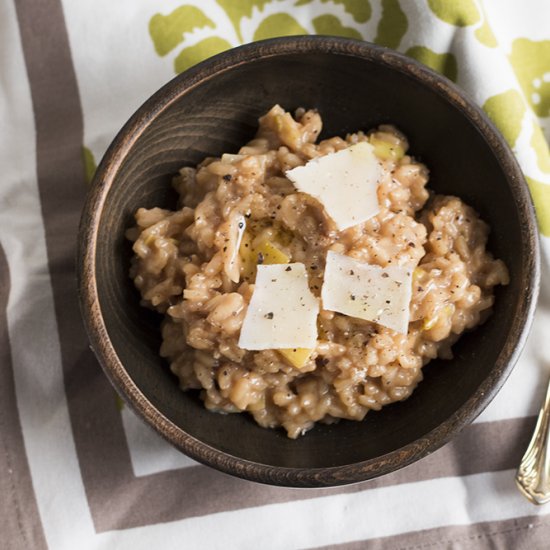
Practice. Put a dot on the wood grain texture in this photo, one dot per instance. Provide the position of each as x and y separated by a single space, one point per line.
213 108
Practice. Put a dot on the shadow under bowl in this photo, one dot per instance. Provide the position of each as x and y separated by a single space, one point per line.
213 108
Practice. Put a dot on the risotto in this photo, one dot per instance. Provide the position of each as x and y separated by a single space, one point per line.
197 266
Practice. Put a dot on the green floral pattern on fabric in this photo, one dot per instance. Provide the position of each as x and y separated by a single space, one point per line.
278 24
460 13
190 34
540 146
167 30
330 24
392 25
485 34
507 110
541 198
119 402
444 63
90 165
237 10
531 62
360 10
202 50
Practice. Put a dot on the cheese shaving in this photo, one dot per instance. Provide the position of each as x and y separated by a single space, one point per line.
345 183
282 312
378 294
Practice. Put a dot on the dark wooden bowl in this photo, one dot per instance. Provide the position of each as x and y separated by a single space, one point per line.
213 108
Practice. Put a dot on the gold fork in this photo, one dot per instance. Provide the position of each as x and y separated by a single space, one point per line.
533 475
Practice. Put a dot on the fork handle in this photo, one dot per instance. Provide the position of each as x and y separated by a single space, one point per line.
533 475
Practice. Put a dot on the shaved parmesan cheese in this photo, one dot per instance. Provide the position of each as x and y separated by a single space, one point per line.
345 183
282 312
232 267
370 292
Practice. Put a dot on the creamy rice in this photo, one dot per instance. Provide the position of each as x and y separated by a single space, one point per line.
185 259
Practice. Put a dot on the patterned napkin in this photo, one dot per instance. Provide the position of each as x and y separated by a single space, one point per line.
502 58
77 468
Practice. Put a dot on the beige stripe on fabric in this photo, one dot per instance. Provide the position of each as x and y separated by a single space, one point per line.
20 525
484 447
60 175
527 533
118 499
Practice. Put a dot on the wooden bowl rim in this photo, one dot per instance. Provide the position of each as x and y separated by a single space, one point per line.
265 473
